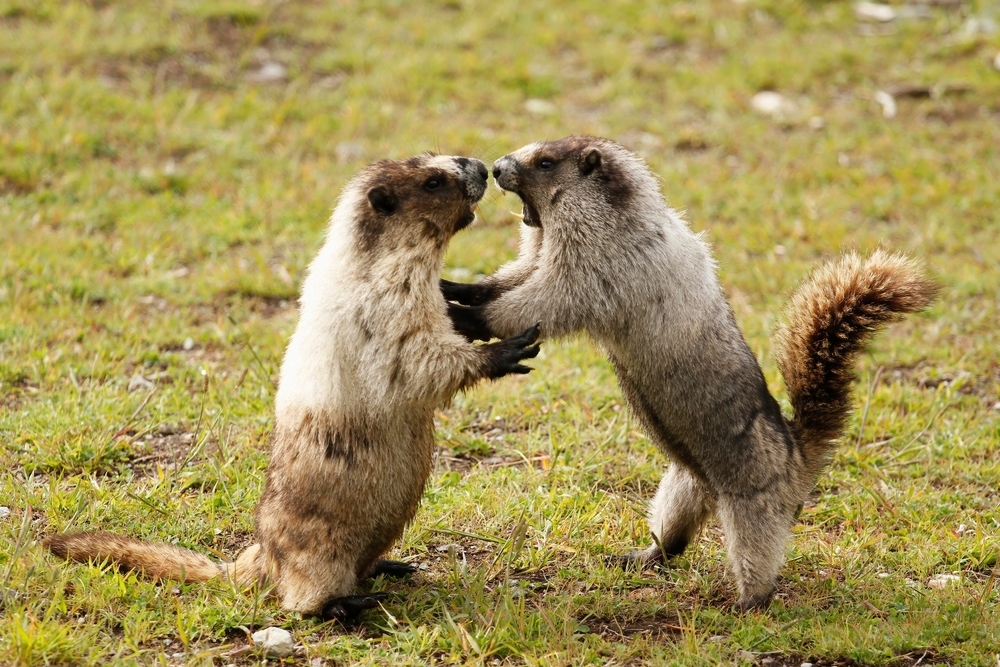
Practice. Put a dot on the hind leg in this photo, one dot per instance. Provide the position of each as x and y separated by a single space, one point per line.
348 608
756 529
680 507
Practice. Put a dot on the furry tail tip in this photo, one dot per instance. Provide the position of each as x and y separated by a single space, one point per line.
829 319
158 561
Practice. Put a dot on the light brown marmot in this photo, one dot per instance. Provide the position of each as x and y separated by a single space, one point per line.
373 355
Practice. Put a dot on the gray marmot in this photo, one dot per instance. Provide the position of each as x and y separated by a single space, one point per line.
602 252
373 355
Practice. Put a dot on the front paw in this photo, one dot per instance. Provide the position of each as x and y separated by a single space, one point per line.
467 294
504 357
469 321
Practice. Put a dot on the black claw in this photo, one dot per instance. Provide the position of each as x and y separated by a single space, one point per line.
347 609
532 352
394 569
506 355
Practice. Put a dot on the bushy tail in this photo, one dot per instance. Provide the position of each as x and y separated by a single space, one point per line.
156 560
829 319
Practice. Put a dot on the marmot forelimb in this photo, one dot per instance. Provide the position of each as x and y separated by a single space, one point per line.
603 252
373 355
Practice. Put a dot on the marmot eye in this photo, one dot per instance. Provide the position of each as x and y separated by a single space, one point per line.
546 164
432 184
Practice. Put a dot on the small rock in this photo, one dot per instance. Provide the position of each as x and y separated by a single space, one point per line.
773 104
942 581
962 528
887 102
188 344
138 383
317 662
874 11
806 664
539 107
269 72
4 512
274 642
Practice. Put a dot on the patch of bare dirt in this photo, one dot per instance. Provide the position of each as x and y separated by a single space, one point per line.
167 445
445 460
658 626
16 184
983 384
910 659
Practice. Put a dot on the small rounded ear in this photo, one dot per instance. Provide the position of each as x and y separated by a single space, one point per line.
590 161
382 200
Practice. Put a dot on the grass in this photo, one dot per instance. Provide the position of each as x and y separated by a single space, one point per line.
159 202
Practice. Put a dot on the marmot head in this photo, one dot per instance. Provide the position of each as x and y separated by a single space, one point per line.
561 179
406 203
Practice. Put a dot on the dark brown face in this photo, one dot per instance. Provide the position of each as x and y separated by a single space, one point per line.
424 198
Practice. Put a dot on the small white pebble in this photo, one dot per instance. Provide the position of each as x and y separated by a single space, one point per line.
806 664
773 104
188 344
942 581
961 529
874 11
138 382
887 102
4 512
274 642
539 107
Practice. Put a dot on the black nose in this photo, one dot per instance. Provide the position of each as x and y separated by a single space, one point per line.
483 174
496 171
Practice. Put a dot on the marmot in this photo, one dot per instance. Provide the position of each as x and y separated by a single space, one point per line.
373 355
602 252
